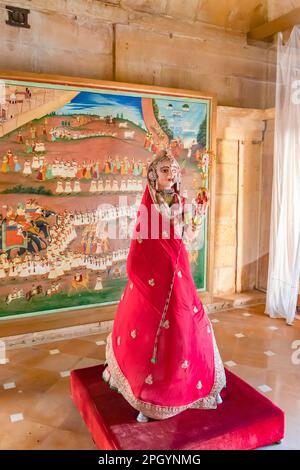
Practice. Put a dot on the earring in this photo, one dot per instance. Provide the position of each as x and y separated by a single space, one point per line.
156 184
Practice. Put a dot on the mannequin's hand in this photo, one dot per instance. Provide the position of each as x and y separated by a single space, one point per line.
192 232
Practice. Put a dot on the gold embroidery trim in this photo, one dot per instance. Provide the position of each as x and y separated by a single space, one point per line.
118 380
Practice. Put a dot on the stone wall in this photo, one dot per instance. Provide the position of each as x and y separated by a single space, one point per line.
239 191
157 43
278 8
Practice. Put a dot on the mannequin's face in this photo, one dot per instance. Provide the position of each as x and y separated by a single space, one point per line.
167 174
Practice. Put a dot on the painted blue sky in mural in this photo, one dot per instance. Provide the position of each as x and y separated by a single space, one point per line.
184 117
103 104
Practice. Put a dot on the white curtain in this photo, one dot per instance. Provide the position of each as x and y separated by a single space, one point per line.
284 254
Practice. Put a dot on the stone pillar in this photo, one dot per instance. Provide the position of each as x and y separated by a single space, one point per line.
266 199
239 155
225 220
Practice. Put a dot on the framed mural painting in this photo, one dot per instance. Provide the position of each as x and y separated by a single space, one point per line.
74 155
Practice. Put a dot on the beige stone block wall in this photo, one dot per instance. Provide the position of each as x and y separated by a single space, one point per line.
224 280
146 42
225 220
216 65
225 208
240 134
224 256
226 178
278 8
225 234
58 43
228 151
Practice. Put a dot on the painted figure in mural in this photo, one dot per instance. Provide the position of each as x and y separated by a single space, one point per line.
33 132
160 314
36 290
19 137
10 160
25 230
4 166
98 285
17 166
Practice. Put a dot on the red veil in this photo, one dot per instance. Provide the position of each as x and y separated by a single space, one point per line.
162 355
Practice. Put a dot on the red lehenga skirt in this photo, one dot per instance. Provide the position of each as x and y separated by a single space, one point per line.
162 355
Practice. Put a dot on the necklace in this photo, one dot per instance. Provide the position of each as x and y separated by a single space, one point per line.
167 191
167 195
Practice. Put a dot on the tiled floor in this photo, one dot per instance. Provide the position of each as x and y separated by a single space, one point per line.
36 410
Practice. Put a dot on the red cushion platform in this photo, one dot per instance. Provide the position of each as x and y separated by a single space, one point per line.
245 420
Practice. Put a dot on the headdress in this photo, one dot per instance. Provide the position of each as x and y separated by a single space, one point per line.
152 175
